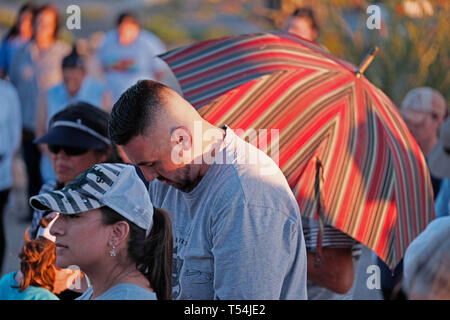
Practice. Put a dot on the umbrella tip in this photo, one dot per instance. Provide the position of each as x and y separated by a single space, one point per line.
366 61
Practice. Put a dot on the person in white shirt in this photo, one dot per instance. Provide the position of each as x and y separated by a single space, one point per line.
10 136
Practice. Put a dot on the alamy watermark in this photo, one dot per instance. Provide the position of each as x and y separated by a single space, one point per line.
374 279
73 21
73 280
374 19
258 151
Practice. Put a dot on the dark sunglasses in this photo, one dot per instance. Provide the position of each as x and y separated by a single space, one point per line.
70 151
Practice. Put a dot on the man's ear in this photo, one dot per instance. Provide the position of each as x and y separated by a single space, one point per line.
181 143
182 136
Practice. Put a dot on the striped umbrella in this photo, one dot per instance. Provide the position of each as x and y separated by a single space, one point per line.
345 151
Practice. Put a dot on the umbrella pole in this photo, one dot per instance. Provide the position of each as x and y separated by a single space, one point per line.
317 187
366 61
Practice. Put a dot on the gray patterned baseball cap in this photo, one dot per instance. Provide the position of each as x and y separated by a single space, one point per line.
114 185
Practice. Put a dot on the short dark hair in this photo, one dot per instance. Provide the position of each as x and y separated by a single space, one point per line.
135 111
308 13
126 15
73 60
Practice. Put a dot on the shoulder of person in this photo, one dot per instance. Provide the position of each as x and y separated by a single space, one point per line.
7 278
37 293
151 39
6 283
148 35
110 37
25 49
253 192
254 180
94 83
127 291
55 88
7 87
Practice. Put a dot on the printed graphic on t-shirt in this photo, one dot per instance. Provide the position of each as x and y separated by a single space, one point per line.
176 272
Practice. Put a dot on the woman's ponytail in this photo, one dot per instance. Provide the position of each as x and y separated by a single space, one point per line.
157 264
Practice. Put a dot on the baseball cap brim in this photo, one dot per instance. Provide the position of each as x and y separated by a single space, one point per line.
64 201
71 137
439 161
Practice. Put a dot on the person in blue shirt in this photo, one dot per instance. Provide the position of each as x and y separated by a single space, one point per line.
19 34
35 68
442 202
10 135
439 162
75 87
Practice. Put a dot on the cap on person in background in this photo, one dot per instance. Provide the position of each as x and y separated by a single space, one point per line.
79 126
439 159
419 102
117 186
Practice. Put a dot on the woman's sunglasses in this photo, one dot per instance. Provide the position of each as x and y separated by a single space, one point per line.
70 151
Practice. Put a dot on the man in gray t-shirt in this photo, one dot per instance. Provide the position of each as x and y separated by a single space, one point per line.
237 227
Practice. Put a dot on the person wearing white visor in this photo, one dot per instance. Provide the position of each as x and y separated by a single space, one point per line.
108 227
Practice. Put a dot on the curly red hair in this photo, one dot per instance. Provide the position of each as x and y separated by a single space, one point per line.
37 260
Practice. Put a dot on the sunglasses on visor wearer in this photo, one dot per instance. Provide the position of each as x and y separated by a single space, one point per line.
70 151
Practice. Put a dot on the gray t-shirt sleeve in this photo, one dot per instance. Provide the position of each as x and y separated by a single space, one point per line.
246 270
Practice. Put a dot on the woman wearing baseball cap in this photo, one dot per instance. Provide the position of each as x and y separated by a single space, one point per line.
108 227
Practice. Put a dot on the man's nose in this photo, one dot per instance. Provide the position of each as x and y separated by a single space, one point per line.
149 174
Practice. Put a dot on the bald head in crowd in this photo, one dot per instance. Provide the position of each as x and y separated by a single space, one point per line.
424 110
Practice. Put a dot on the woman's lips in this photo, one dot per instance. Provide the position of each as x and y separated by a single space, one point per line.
60 247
